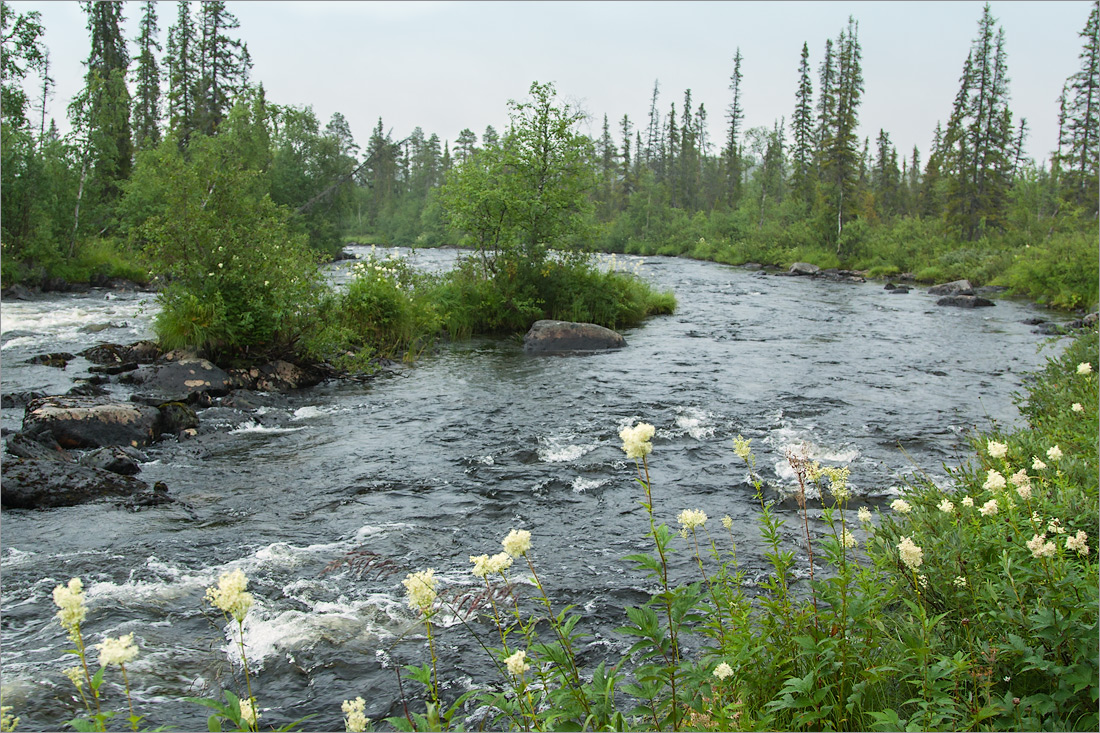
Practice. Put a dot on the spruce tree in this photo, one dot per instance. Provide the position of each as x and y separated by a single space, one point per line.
465 145
802 129
183 75
1080 158
146 115
735 114
224 65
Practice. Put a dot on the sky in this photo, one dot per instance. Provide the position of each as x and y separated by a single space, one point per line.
445 66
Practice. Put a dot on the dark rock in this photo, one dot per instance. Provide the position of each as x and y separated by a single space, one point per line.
87 388
1050 329
59 360
343 255
116 459
175 417
547 337
179 381
280 376
803 268
37 442
91 422
842 276
957 287
895 289
141 352
754 266
97 327
17 292
30 483
964 301
19 399
1033 321
156 496
122 368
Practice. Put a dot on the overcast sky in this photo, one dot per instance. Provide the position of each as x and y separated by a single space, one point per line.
445 66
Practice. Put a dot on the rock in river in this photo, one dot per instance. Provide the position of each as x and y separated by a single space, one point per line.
548 337
179 381
36 483
91 422
964 301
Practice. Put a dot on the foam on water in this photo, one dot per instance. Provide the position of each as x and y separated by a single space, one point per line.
697 423
561 449
582 484
252 426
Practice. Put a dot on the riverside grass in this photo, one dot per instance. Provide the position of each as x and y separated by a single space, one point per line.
971 607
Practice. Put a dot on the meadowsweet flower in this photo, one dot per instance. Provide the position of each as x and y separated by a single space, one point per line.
1077 543
517 543
7 720
1054 453
1024 491
70 600
485 565
356 721
420 589
901 506
636 440
1036 518
946 506
1084 368
75 675
923 580
1055 526
968 501
727 522
117 651
230 595
516 663
1020 478
1039 547
1077 407
691 518
864 514
249 713
722 671
1036 464
994 481
741 448
847 539
911 554
996 450
959 581
989 508
838 482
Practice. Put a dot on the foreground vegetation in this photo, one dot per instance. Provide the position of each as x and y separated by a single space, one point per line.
970 607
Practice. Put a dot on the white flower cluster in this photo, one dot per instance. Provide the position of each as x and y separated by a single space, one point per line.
517 664
420 589
1078 543
946 506
901 506
723 670
117 651
70 600
864 515
636 443
741 448
689 519
994 481
847 539
249 714
1040 547
517 543
1084 368
911 554
230 594
485 566
356 720
996 450
989 508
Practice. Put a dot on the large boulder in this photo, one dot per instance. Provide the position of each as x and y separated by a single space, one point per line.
957 287
37 483
92 422
187 380
547 337
276 376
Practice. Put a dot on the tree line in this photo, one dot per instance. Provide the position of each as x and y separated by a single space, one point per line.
807 189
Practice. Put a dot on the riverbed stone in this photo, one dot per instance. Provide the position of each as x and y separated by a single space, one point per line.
179 381
92 422
547 337
140 352
116 459
176 417
36 483
965 301
956 287
803 268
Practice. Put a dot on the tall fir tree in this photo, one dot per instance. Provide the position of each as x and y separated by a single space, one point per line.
802 129
147 108
1078 156
183 75
735 113
224 65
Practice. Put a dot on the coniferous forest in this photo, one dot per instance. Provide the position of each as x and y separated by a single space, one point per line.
808 188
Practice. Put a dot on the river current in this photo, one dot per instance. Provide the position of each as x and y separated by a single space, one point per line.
426 465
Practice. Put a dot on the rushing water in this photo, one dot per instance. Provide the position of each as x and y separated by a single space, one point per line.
430 464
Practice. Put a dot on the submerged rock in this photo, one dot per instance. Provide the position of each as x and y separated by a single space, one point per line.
965 301
803 268
547 337
116 459
60 360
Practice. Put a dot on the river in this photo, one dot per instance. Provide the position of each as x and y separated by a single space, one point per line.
428 464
